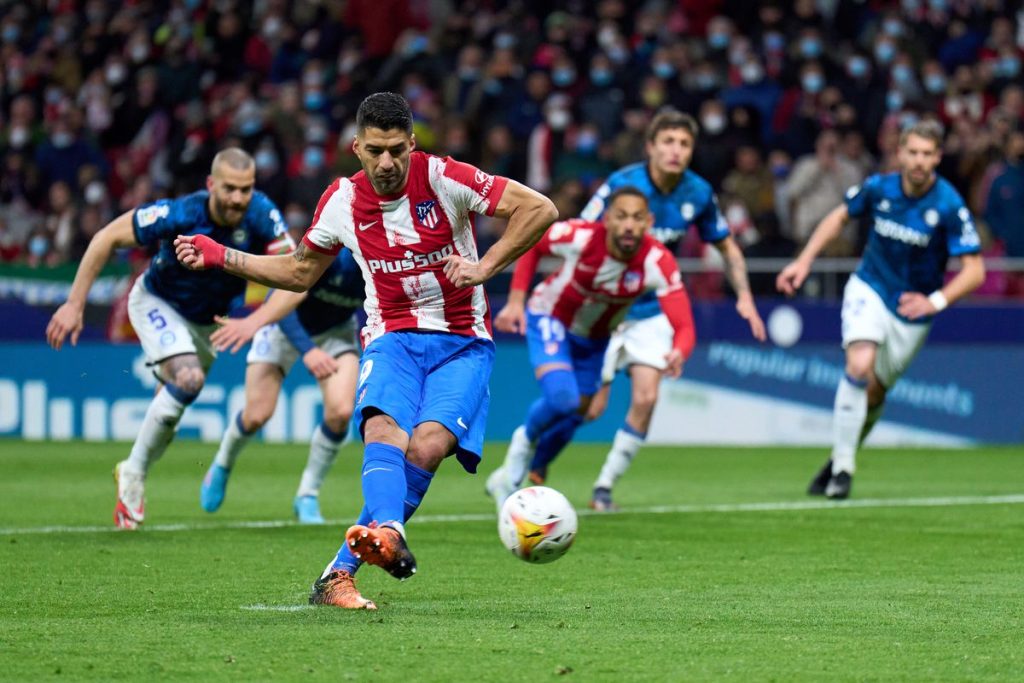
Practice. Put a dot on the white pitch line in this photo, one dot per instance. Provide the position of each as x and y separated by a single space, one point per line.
260 607
777 506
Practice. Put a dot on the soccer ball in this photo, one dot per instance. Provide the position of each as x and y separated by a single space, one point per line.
537 524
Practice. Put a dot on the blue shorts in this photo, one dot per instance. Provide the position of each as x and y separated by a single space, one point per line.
549 342
417 377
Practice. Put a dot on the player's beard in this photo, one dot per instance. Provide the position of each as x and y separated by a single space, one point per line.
230 214
389 184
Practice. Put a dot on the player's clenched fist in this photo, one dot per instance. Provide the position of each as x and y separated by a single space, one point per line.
199 252
463 273
511 319
792 277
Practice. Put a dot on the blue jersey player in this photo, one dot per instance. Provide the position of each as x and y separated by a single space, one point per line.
172 308
320 327
917 221
679 199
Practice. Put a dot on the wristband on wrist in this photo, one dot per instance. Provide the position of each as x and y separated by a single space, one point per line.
213 251
938 300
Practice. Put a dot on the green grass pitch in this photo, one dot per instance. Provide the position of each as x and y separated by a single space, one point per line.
921 578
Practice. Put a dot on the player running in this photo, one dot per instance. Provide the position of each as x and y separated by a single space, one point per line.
679 198
320 327
422 392
172 308
917 222
606 267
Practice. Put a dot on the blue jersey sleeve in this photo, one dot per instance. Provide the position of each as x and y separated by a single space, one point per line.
859 197
961 235
270 226
710 222
296 333
595 207
163 219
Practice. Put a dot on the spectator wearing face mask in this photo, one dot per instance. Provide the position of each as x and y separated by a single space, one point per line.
757 92
64 153
713 158
1003 208
602 101
817 184
582 159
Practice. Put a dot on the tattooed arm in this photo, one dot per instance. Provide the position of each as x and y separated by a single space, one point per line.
297 271
736 273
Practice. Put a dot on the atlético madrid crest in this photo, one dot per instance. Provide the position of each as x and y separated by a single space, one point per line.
426 212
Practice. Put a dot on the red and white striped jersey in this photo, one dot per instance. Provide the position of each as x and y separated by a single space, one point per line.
592 290
401 240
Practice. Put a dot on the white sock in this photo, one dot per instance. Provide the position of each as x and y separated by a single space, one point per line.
156 433
232 443
322 452
620 457
518 457
874 414
848 415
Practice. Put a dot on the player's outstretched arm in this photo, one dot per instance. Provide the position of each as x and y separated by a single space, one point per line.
67 320
296 272
914 305
793 276
736 273
234 333
529 214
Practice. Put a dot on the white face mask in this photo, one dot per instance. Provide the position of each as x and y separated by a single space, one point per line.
558 119
18 137
752 73
115 74
713 123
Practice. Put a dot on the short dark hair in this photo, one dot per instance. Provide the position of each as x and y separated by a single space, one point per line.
670 118
384 110
929 129
626 191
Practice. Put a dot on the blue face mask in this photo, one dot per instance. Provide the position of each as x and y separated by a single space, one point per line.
885 52
250 126
1008 67
858 67
718 40
563 77
938 5
810 48
935 83
265 160
601 77
38 246
813 82
894 100
663 70
586 143
774 41
706 81
313 158
893 27
902 74
780 170
313 100
11 33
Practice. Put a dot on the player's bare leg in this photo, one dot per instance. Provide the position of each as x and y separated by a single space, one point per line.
183 376
645 382
262 387
339 392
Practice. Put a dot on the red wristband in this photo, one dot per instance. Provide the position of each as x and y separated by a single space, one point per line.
212 251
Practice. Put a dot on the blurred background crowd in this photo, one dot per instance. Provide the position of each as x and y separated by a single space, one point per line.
104 106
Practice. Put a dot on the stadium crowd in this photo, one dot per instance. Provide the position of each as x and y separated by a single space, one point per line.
105 106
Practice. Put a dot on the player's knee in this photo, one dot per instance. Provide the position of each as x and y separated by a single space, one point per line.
338 417
254 417
189 380
185 393
644 398
859 369
564 401
429 447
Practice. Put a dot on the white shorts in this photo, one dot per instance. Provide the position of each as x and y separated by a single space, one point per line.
164 332
270 345
866 318
638 342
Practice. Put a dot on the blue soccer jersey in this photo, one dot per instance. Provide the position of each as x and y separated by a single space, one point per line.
335 297
200 295
910 238
691 202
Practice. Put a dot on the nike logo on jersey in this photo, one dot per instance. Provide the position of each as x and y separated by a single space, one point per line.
461 423
366 226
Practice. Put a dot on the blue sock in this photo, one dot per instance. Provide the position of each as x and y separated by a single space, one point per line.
560 396
345 560
384 482
418 482
554 439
